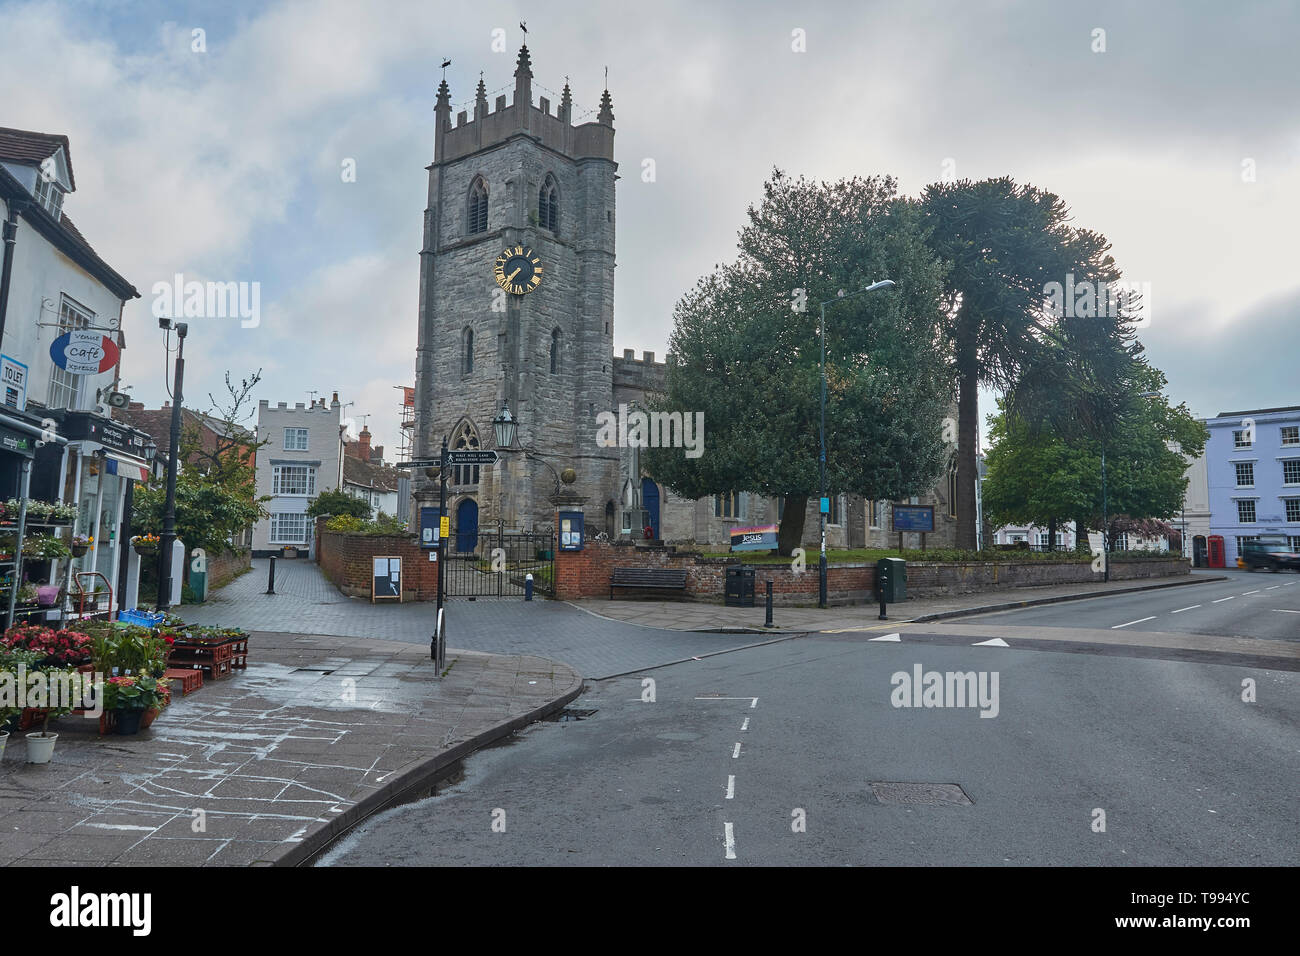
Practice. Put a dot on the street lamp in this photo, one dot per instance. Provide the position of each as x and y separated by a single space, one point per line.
169 512
823 504
505 427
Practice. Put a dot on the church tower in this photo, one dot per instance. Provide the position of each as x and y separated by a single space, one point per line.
517 302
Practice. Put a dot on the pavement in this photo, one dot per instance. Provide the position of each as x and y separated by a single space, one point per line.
268 766
695 616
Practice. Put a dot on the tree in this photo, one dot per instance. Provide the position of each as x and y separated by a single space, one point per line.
1038 475
1004 244
216 491
337 502
745 351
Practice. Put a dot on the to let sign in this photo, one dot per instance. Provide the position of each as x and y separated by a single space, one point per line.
83 352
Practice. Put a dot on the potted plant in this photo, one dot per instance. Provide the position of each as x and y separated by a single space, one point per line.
130 697
61 514
146 545
40 743
81 544
47 595
27 594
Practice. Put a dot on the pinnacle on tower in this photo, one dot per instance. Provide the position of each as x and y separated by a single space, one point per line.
523 85
606 114
444 95
480 100
566 104
524 63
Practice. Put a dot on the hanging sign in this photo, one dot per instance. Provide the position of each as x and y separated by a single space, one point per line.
83 352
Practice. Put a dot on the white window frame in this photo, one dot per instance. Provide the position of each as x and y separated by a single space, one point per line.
1238 439
1254 511
1295 463
1295 434
66 390
306 438
277 535
278 483
49 195
1237 466
1286 509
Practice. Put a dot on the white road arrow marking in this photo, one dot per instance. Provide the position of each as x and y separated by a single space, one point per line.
886 637
996 642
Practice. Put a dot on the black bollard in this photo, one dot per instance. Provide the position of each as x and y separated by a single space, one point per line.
270 578
881 585
768 621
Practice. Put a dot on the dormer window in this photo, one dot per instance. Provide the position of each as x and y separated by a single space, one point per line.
49 195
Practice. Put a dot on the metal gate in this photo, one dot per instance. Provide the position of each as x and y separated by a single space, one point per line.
496 564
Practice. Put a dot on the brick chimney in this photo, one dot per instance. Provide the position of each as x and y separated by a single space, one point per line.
377 454
363 444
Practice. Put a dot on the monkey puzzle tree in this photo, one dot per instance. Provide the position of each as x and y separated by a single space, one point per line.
1005 245
745 351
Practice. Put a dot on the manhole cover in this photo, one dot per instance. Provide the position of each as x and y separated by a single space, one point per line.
311 670
573 713
922 794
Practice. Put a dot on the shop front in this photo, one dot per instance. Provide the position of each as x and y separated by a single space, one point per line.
104 461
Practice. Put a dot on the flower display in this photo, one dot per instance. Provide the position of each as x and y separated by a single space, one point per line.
55 647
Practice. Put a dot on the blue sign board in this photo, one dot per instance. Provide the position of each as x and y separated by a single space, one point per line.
429 528
571 530
913 518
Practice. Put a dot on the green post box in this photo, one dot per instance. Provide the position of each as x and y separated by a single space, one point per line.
891 580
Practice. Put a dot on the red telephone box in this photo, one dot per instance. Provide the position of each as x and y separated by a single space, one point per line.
1215 543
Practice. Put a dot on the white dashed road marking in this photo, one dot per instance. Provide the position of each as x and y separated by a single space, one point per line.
1221 600
735 753
1138 621
731 841
745 724
731 787
1282 610
1256 591
1188 608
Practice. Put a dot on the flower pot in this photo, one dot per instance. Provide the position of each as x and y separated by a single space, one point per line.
146 551
127 721
149 716
78 550
40 747
47 595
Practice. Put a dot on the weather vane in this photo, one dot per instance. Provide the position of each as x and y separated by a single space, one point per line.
445 64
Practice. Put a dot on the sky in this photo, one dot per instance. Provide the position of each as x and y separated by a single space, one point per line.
1174 132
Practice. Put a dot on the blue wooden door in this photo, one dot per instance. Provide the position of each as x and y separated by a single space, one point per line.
650 501
467 525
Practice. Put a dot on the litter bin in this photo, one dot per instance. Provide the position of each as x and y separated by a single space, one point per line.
739 589
891 580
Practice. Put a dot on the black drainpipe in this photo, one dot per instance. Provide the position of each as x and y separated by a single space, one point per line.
13 206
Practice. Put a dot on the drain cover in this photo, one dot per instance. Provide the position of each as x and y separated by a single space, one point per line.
922 794
574 713
312 670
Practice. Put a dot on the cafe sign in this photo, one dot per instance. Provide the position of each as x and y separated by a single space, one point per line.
83 352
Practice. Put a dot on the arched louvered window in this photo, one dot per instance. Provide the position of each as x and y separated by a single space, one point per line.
555 351
467 352
478 206
548 205
466 440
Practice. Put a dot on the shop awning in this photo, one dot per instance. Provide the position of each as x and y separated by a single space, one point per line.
124 466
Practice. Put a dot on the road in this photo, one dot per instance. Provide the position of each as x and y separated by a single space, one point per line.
735 750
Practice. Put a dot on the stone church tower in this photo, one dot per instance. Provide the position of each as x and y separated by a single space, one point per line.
518 176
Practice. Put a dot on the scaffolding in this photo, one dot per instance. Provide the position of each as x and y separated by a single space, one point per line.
406 439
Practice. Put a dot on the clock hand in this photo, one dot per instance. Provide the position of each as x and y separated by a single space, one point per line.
511 278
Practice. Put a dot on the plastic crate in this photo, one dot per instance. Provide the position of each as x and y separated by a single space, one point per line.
143 618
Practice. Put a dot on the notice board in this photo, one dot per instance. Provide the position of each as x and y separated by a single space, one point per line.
386 579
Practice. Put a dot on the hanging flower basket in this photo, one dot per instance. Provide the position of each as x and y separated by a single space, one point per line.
79 550
146 545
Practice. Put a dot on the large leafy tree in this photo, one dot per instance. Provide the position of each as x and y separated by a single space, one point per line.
1005 244
745 351
1039 475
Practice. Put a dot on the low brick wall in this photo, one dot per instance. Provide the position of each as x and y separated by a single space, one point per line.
223 567
586 574
347 560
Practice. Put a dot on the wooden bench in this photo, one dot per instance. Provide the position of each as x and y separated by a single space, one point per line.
661 579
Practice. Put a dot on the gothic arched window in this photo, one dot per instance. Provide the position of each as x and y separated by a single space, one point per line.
548 205
555 351
478 206
466 440
467 352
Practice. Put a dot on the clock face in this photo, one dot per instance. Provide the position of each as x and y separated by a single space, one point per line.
518 270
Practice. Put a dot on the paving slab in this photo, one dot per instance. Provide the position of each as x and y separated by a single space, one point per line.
268 766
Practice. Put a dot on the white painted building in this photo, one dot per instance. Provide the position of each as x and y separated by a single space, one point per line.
302 457
52 282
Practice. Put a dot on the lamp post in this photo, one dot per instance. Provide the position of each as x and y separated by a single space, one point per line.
822 503
169 512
